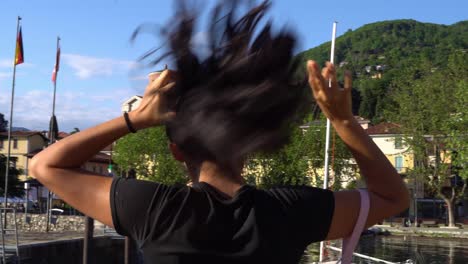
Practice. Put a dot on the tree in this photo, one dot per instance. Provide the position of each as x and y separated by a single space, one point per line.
148 154
301 161
288 166
15 189
377 52
430 104
3 123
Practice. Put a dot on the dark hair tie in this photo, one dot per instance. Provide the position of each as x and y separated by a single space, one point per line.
129 123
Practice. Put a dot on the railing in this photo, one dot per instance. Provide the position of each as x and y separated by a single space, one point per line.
4 229
364 256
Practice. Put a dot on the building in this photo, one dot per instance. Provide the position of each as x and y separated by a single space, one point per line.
390 141
364 123
26 144
131 104
22 144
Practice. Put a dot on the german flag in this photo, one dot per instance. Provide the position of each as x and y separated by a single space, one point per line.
19 55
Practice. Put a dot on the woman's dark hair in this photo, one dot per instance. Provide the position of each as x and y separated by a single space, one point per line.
238 98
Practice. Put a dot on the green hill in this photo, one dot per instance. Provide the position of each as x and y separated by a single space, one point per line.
376 54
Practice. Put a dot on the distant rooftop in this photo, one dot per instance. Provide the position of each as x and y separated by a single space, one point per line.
384 128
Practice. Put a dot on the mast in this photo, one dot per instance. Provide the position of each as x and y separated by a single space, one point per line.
53 128
10 125
327 135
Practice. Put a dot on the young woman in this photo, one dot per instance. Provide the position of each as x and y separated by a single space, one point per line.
218 111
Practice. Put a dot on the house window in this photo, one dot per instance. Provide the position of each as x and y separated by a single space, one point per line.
398 143
399 163
15 143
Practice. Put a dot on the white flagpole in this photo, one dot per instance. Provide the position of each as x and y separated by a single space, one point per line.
327 137
10 124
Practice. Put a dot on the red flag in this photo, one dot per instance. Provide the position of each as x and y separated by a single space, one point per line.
19 54
57 64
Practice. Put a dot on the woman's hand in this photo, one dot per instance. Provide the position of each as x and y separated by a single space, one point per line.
334 101
155 108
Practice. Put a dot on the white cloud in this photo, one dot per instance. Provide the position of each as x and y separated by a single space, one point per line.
87 67
200 43
6 63
73 109
200 38
5 75
139 78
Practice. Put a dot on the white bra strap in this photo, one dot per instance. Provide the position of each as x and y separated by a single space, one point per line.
350 243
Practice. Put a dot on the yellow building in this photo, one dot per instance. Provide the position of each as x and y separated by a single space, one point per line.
26 144
388 138
22 144
390 141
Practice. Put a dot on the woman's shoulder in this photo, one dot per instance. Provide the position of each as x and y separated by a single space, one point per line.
295 193
146 186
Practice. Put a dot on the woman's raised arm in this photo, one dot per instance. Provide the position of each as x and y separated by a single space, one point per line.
58 166
388 193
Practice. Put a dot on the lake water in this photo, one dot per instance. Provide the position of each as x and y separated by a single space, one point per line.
405 249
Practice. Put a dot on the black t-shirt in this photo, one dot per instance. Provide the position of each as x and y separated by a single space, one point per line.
181 224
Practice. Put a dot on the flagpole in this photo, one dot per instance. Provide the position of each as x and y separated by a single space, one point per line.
52 133
55 82
327 137
7 170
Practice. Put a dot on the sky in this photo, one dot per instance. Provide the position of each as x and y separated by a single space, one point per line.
99 66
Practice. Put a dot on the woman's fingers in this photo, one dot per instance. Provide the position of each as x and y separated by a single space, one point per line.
322 81
316 80
167 88
166 77
331 76
169 95
348 81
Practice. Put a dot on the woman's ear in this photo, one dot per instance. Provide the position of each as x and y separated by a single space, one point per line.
176 153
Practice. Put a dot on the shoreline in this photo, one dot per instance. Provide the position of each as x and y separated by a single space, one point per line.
441 232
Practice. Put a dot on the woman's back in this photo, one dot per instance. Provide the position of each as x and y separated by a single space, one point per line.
180 224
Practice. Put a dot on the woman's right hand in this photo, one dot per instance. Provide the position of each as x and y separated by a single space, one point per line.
334 101
155 108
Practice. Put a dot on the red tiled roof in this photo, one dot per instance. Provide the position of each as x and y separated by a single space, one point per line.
65 134
23 134
384 128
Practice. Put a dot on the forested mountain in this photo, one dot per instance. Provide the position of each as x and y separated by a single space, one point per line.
378 53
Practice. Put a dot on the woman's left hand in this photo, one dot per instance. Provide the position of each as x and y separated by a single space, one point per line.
334 101
155 108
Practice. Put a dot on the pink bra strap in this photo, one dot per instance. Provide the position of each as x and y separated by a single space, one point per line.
350 243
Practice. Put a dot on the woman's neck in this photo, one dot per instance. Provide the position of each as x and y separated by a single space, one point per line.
227 183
